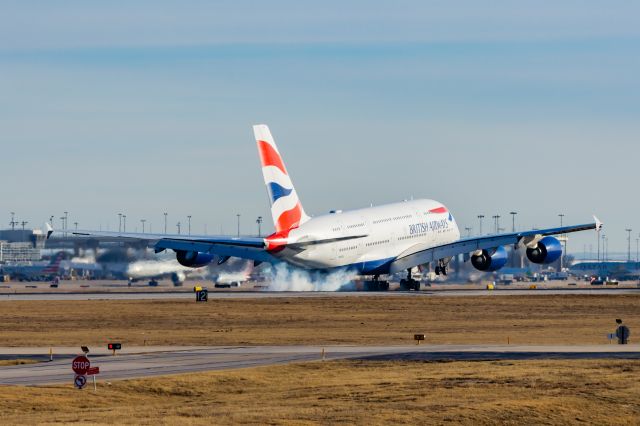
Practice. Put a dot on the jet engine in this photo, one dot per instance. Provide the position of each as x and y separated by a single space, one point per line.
490 260
547 251
193 259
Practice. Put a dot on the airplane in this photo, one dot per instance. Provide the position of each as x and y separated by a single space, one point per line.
34 272
374 241
154 270
611 268
123 265
232 277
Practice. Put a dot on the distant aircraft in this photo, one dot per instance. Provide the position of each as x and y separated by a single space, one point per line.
152 270
612 268
372 241
230 278
35 272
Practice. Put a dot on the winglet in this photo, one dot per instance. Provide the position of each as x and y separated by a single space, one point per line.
598 224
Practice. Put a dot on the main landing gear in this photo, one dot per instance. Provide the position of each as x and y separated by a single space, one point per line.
442 268
409 283
376 284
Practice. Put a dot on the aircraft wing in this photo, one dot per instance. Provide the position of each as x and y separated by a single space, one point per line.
252 248
418 256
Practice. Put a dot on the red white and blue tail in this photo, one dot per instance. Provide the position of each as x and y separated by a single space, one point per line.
286 208
54 265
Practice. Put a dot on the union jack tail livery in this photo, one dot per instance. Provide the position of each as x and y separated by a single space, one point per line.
286 208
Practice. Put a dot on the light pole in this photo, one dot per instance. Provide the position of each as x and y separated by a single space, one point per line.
561 216
51 221
124 223
189 219
480 217
513 221
23 223
259 222
604 249
468 229
119 222
238 214
629 244
497 220
143 221
13 221
178 225
165 222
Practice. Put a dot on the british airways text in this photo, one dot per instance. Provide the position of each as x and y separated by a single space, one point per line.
434 225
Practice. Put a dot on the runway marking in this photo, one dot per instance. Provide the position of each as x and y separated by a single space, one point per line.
213 358
269 294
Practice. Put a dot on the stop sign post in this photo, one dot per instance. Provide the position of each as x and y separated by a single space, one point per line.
80 364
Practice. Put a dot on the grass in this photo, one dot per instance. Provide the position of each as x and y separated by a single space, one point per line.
7 362
360 392
536 319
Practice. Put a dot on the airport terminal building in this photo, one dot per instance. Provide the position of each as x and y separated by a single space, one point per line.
21 245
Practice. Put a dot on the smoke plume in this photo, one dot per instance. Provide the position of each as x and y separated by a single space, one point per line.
286 278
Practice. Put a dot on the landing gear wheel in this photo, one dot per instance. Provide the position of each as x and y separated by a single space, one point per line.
442 268
376 284
408 285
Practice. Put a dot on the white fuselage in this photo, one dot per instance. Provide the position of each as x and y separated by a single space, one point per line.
371 236
146 269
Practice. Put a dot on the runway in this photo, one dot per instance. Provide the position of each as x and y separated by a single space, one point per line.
143 362
151 295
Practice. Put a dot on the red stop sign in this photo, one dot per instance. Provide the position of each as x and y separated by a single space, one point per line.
80 364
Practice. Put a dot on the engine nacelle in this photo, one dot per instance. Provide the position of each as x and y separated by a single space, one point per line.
547 251
489 262
193 259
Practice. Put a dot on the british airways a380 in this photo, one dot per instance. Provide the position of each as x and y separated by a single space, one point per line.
373 241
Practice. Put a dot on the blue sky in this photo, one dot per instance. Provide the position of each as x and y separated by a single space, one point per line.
147 107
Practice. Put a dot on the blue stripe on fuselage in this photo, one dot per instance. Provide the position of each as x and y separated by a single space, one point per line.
370 267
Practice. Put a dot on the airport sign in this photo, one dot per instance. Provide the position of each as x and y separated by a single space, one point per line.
92 371
79 381
80 364
202 295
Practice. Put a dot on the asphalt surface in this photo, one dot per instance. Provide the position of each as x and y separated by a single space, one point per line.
154 361
150 295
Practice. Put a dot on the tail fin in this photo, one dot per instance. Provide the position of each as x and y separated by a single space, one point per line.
54 263
286 208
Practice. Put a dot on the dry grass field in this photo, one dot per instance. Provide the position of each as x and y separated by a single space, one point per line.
5 362
359 392
538 319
